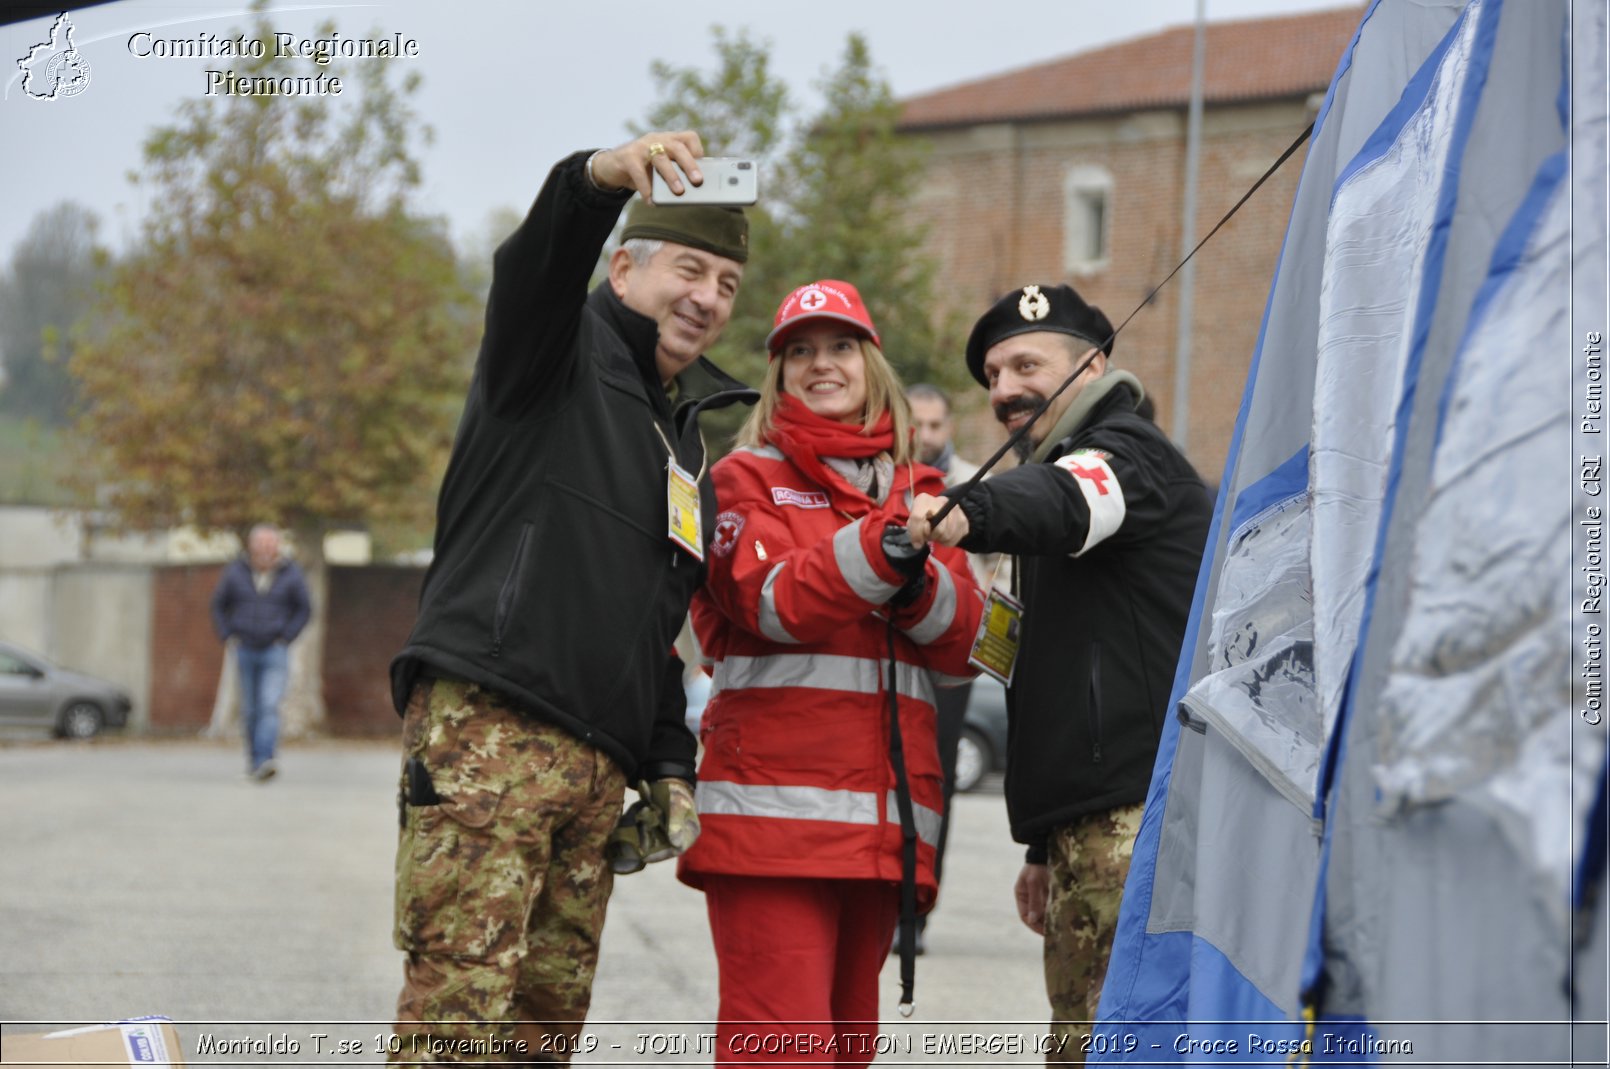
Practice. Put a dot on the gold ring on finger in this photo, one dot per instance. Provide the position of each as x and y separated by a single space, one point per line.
656 149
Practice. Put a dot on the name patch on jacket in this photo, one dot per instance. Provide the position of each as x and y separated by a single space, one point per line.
805 499
1101 491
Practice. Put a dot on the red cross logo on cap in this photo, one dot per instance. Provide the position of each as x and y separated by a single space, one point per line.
812 300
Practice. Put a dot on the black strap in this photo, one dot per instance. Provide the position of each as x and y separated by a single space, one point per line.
908 840
967 487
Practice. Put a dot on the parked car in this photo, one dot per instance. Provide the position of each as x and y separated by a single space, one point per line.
36 693
982 748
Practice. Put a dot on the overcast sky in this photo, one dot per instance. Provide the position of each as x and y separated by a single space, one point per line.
510 86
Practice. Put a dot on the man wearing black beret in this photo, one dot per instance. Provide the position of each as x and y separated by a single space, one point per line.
1108 521
571 532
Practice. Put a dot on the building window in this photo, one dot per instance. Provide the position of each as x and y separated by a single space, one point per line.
1086 192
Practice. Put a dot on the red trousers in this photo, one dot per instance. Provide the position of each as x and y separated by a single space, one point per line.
799 962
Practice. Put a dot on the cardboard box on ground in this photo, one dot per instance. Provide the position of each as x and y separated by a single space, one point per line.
148 1042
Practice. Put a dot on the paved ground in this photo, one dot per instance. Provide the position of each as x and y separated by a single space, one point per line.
151 878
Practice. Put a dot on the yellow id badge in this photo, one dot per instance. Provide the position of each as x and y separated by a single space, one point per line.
682 507
995 648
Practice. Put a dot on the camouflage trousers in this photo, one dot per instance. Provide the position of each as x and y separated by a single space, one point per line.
501 885
1088 861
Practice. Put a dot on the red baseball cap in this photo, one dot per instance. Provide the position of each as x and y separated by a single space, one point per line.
827 299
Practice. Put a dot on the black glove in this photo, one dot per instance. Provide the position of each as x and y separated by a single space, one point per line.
909 561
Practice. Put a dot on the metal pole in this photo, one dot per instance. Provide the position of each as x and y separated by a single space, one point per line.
1187 283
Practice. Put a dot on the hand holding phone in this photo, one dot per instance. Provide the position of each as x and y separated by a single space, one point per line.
728 181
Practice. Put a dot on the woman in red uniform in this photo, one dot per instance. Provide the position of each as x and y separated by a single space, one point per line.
800 858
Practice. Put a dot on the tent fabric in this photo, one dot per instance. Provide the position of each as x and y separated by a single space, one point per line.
1373 752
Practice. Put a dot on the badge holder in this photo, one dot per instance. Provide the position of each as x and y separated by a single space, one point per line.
682 510
995 647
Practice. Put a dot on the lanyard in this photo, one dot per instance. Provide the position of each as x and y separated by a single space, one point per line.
704 450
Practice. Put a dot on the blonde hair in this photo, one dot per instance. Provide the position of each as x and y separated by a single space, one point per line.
883 392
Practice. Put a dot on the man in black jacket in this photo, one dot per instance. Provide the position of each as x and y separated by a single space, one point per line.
1108 520
571 529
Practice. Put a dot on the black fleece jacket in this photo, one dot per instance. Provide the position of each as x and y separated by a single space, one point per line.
554 583
1102 629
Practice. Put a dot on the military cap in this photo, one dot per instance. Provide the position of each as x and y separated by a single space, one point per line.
723 231
1058 309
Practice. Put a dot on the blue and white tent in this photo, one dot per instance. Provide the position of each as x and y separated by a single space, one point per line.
1378 819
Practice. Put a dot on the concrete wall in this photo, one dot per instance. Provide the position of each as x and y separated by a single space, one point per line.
93 618
34 537
101 624
25 607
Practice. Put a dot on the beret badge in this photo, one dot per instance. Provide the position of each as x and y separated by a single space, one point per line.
1033 305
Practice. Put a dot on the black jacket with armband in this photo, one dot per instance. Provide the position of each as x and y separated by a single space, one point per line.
1108 527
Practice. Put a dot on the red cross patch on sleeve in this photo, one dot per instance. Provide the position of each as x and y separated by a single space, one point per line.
1101 491
728 527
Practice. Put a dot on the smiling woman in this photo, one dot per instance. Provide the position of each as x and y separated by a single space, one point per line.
819 793
823 365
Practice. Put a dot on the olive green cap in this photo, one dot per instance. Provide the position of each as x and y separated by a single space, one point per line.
723 231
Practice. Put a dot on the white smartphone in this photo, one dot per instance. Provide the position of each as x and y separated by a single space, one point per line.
728 180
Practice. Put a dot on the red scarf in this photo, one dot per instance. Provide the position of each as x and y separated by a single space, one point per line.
805 438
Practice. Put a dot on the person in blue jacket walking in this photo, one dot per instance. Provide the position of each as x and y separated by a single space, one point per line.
262 603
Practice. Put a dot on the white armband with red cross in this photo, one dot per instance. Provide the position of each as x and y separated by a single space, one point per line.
1102 493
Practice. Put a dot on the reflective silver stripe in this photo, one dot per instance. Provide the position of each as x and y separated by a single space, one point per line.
725 798
940 614
769 452
787 803
771 625
927 820
856 569
823 671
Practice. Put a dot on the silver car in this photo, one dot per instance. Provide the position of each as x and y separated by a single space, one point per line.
36 693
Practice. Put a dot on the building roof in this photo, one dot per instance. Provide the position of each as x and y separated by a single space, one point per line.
1247 60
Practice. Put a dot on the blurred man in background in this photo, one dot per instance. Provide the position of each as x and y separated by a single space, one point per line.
261 604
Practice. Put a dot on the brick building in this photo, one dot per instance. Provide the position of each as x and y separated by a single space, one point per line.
1073 171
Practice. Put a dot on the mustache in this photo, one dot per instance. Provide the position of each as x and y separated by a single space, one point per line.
1025 404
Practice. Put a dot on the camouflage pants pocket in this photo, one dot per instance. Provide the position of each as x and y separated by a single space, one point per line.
501 885
464 878
440 909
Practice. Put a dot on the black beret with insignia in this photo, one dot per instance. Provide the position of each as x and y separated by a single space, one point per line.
1058 309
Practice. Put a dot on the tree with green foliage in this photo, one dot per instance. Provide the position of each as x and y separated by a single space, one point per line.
855 178
289 339
834 189
45 291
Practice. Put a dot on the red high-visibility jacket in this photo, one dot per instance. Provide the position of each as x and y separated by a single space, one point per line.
796 777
